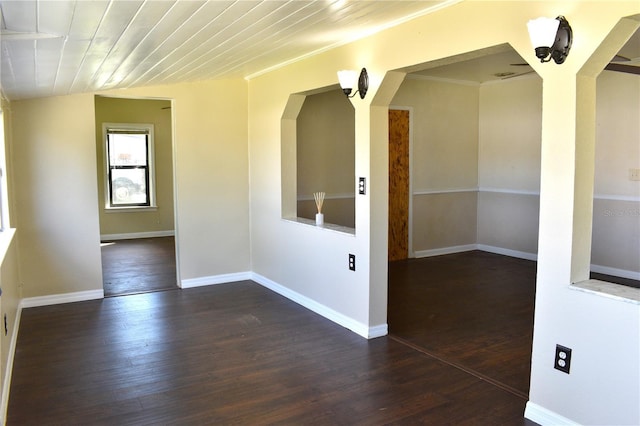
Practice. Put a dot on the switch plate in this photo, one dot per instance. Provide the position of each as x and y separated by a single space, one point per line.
352 262
563 359
362 186
634 174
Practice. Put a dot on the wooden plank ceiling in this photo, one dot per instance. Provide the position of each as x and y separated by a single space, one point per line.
62 47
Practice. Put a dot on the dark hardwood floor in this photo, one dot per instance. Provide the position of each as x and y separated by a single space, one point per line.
629 282
473 310
138 265
232 354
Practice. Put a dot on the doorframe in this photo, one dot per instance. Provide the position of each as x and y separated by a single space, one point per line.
410 253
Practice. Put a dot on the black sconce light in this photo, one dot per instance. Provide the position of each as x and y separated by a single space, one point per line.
347 79
551 38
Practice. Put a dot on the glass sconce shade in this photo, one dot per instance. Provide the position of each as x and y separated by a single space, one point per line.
542 31
347 79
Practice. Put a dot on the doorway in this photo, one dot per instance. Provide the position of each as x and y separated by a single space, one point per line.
466 293
399 183
135 168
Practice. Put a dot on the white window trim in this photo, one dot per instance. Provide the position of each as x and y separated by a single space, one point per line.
146 127
4 190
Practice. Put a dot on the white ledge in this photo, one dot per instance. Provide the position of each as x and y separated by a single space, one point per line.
618 292
327 226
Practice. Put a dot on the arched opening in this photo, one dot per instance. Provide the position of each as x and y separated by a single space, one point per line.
615 246
318 156
465 291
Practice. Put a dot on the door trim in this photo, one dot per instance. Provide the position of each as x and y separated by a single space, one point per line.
411 253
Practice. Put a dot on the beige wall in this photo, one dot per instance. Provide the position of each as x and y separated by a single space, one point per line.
145 111
444 220
508 223
616 212
311 262
445 155
509 136
617 134
476 179
211 175
56 188
325 152
509 165
444 158
508 168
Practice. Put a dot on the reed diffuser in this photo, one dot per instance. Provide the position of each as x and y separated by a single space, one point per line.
319 197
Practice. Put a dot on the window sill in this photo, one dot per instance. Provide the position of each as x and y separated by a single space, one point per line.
6 237
130 209
327 226
609 290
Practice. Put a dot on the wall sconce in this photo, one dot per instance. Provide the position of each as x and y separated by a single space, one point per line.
551 38
347 79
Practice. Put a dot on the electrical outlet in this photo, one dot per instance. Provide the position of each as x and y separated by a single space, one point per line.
634 174
563 359
362 186
352 262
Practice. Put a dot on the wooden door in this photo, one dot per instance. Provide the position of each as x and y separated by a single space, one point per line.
398 184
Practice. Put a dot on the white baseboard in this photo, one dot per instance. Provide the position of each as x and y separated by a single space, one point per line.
56 299
343 320
508 252
632 275
482 247
445 250
378 331
134 235
545 417
6 385
215 279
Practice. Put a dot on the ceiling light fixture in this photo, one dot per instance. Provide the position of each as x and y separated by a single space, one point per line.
551 38
347 79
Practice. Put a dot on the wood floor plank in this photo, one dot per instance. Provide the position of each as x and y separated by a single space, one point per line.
230 354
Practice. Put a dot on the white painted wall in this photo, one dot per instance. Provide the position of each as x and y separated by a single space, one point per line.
596 391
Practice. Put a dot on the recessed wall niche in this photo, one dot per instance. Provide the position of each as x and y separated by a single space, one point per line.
322 135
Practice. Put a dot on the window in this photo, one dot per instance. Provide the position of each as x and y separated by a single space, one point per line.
4 199
129 165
